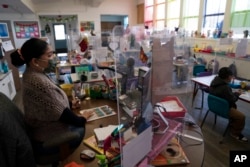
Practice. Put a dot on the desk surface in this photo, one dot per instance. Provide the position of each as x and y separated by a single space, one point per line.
194 153
206 81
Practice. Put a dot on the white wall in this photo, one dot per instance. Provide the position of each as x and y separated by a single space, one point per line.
83 12
87 13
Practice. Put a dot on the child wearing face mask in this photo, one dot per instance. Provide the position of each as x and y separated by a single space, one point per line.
47 110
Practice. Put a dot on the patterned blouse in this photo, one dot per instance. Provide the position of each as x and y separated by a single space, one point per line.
44 103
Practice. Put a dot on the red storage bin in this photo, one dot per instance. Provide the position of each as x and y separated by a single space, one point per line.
171 106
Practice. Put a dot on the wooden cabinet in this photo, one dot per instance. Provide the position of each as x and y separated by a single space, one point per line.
7 85
140 14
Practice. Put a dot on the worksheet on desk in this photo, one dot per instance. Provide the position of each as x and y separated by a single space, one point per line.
100 112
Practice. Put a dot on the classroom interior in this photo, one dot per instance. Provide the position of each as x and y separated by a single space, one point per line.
164 38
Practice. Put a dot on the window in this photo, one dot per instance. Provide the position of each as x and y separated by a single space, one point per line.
214 15
173 13
240 17
59 32
160 14
149 11
155 13
190 14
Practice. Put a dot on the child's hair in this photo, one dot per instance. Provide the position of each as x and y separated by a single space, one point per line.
225 72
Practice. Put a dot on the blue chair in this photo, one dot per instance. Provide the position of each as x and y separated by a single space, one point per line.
198 68
218 106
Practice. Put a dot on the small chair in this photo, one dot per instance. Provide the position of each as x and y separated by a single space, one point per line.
219 107
198 68
203 88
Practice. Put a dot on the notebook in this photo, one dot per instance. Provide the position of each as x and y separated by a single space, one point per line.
102 133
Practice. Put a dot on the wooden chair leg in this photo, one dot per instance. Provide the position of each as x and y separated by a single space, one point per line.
204 119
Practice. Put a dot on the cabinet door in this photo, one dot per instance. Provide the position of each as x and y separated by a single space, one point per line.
4 88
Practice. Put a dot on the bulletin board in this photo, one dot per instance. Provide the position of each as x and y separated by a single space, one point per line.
87 26
26 29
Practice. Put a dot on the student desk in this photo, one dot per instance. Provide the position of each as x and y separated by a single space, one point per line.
194 153
206 80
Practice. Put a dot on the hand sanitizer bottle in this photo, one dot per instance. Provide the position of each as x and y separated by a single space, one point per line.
5 66
1 68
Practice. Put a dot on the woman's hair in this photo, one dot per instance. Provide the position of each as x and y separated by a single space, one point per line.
225 72
32 48
16 58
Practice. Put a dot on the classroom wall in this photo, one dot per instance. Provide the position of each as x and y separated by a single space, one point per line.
83 12
242 63
88 13
17 17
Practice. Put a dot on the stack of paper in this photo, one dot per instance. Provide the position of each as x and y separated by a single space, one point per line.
102 133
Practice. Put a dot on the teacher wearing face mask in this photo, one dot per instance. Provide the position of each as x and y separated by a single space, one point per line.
47 110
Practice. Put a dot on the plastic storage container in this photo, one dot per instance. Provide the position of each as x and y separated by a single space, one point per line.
171 106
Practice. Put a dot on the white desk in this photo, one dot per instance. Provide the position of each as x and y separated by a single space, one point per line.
206 81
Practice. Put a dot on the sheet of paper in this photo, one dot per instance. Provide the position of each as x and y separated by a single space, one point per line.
171 106
226 41
7 45
103 133
136 149
241 49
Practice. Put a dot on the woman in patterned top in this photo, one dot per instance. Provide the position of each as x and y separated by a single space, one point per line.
47 109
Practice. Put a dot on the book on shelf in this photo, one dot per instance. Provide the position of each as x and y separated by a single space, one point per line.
92 143
172 154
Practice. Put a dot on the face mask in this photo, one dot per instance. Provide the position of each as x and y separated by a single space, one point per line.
51 66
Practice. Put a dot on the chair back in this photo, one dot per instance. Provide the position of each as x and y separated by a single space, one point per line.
203 74
218 105
198 68
16 149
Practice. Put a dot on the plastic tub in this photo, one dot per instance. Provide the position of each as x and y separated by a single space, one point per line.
67 88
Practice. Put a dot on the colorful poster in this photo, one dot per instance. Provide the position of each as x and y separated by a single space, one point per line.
87 26
26 29
4 33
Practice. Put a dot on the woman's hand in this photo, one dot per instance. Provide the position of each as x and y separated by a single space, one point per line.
87 114
76 103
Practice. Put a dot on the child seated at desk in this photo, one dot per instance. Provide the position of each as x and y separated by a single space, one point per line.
220 87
